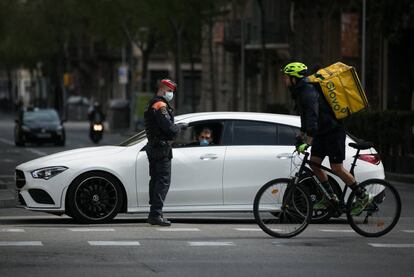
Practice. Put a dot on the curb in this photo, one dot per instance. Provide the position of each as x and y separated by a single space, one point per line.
403 178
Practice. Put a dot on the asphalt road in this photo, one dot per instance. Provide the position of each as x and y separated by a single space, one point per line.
37 244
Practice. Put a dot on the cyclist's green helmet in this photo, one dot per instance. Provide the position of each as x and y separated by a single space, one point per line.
295 69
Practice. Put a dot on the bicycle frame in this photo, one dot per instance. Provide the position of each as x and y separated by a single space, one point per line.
307 161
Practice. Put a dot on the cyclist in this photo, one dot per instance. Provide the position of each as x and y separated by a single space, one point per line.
321 130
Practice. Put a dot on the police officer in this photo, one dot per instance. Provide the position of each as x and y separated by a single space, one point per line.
161 131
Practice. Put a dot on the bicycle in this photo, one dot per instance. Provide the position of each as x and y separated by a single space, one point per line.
283 207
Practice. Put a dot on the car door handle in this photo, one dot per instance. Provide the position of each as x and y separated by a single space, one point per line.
207 157
284 156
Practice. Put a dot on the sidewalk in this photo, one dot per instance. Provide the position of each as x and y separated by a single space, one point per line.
7 198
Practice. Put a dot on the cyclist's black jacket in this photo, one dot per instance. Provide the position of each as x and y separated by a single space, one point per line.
159 122
317 117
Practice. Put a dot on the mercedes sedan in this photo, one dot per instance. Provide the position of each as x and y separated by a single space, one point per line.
94 184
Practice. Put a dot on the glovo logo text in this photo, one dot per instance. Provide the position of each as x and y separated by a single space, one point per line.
333 97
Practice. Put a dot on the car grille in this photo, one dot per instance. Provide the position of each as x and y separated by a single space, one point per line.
20 179
41 196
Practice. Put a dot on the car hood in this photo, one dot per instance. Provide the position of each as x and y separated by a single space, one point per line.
62 158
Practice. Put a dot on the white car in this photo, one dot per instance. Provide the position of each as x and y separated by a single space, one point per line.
95 184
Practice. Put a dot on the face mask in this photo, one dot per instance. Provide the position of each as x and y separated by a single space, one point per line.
168 95
204 142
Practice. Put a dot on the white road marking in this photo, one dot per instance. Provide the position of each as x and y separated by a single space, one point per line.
92 229
114 243
12 230
6 141
21 243
178 229
36 152
392 245
407 231
211 243
337 231
248 229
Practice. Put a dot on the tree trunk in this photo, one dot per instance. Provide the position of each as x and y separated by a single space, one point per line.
264 69
179 100
192 74
212 71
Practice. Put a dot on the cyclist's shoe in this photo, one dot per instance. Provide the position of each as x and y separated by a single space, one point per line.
321 204
324 203
360 204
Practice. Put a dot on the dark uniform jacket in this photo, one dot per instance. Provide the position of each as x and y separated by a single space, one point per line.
317 117
159 126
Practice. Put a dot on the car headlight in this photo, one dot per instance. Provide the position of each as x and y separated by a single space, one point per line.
97 127
48 172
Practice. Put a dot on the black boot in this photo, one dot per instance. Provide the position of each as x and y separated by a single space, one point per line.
159 220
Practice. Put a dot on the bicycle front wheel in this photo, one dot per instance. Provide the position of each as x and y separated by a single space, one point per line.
381 213
281 209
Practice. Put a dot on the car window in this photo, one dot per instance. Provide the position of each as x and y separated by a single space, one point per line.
41 116
287 134
189 137
254 133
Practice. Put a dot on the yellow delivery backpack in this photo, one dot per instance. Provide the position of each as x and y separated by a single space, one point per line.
341 88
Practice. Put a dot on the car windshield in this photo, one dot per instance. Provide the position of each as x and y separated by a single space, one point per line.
134 139
41 116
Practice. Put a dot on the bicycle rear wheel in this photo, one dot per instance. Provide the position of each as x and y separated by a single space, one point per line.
282 210
381 214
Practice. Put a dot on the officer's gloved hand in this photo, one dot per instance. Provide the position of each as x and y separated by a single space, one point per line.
183 126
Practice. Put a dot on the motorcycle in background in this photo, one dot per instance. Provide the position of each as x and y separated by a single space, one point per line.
96 119
96 131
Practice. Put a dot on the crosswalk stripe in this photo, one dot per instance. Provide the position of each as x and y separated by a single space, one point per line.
11 230
407 231
92 229
21 243
248 229
178 229
114 243
392 245
336 231
211 243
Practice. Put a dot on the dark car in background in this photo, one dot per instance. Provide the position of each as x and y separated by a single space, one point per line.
39 126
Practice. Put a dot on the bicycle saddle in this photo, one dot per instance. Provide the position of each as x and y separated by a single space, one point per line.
361 145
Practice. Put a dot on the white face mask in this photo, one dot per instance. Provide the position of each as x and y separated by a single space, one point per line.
169 95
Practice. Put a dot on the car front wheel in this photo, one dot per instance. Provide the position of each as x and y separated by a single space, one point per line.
94 197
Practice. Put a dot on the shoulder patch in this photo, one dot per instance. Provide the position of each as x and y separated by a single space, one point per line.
158 105
164 110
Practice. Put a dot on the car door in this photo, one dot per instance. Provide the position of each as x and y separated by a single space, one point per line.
257 152
197 172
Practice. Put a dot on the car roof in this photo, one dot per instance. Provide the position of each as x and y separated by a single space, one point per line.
267 117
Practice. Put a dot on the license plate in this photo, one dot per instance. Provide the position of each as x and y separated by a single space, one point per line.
44 135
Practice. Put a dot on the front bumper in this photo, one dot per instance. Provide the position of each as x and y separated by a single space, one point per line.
38 136
40 194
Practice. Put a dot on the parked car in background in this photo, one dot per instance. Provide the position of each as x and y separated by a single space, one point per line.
94 184
38 126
